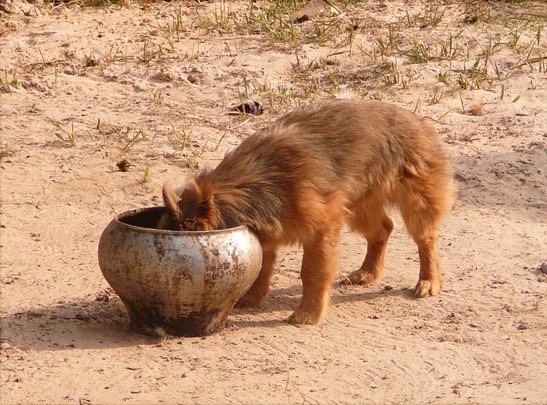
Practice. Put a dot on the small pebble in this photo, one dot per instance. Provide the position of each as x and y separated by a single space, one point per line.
247 107
394 62
123 165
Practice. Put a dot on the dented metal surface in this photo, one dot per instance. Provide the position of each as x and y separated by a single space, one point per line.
184 282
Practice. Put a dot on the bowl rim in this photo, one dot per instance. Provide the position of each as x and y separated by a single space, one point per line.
134 211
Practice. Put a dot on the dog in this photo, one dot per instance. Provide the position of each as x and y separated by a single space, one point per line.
320 166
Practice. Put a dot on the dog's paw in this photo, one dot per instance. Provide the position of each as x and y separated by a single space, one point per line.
426 288
359 277
249 301
300 317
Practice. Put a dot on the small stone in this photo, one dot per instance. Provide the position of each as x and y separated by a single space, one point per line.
394 62
123 165
193 79
247 107
141 85
522 326
5 346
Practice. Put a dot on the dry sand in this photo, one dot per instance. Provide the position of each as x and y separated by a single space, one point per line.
142 82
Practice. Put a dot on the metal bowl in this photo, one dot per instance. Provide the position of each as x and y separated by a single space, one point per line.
185 283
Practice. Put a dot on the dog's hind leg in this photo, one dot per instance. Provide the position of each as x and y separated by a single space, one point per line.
423 203
369 219
423 229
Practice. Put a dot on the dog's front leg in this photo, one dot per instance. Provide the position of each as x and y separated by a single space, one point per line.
319 266
258 291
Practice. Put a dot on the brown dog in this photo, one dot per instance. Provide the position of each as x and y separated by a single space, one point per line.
299 179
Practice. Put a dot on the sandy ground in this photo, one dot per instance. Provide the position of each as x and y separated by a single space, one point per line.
84 87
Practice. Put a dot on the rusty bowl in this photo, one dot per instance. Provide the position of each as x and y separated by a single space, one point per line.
184 283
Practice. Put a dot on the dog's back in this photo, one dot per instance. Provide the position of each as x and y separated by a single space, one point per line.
355 147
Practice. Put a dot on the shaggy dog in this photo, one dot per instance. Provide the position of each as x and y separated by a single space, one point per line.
300 179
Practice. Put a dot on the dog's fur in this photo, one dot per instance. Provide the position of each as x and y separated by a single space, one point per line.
299 179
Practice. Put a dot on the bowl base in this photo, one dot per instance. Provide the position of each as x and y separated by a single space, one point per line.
149 322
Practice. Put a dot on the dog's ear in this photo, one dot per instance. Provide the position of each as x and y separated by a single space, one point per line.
194 202
198 198
171 197
207 206
191 192
199 201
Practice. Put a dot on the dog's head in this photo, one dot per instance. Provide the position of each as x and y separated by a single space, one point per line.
189 208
